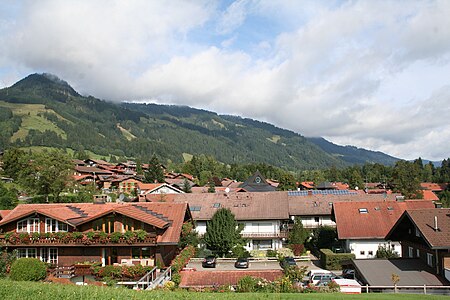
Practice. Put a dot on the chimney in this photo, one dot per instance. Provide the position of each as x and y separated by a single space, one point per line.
436 228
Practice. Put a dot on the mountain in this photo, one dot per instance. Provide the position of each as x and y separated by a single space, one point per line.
43 110
352 154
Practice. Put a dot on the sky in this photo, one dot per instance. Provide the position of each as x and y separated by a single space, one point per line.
372 74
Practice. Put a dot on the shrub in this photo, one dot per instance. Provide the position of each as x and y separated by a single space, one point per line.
271 253
332 261
181 260
246 284
176 278
28 269
6 259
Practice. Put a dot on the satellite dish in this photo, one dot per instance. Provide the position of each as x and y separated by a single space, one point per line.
227 190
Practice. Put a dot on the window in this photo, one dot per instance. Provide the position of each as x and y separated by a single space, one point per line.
417 232
28 225
316 219
417 253
216 205
430 259
195 208
363 211
49 255
410 252
26 252
52 225
262 244
362 252
371 253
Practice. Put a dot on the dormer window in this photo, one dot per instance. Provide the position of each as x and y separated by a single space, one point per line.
28 225
52 225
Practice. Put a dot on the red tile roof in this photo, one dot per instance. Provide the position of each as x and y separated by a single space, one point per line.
374 219
429 195
217 278
3 213
437 187
162 215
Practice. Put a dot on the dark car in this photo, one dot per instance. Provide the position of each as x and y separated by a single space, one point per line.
288 262
242 262
209 262
348 274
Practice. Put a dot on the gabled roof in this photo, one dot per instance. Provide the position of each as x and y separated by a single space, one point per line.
371 220
257 183
245 206
431 186
4 213
322 204
429 195
149 188
424 221
168 216
91 170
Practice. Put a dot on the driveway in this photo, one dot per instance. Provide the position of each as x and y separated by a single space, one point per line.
228 265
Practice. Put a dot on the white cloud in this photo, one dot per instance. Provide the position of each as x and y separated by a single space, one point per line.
348 71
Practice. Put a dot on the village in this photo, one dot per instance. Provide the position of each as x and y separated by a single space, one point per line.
361 236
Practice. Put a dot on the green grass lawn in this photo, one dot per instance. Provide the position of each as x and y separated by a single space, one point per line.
32 290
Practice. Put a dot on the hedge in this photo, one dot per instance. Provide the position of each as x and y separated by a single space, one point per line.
332 261
28 269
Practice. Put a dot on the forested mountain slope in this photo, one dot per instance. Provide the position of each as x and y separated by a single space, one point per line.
42 110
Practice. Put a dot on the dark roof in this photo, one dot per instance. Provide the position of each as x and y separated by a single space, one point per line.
424 221
378 272
325 186
257 183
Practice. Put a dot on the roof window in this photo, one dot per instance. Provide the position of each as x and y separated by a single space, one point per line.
195 208
390 208
216 205
363 211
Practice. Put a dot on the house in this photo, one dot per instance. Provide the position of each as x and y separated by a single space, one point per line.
157 188
179 182
257 183
63 234
306 185
435 187
363 226
425 234
429 195
263 215
129 186
314 207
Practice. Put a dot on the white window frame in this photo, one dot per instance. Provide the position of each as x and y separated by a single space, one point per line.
26 252
52 225
30 225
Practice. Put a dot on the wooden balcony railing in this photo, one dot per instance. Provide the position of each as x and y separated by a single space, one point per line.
281 234
77 239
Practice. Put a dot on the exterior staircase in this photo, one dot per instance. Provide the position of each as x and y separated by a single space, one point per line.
154 279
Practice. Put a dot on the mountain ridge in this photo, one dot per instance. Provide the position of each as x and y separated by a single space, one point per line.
139 130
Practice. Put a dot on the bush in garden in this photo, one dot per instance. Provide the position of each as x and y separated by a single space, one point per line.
271 253
176 278
28 269
247 284
181 260
6 259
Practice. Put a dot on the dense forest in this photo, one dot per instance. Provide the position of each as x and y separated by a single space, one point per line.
42 110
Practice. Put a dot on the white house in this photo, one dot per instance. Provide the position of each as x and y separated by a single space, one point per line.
363 226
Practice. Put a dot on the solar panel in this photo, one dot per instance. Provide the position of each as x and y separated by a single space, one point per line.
322 192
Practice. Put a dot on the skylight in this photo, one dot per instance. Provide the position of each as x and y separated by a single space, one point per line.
216 205
363 211
195 208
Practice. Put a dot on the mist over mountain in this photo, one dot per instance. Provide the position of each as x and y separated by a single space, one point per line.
43 110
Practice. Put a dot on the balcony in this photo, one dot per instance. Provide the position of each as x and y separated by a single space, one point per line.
81 239
281 234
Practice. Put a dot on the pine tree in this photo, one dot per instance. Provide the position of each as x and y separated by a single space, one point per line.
186 186
223 233
155 172
211 187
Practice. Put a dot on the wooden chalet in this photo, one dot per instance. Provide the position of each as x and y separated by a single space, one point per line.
64 234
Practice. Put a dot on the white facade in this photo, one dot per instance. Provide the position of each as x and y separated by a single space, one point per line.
317 221
260 235
368 248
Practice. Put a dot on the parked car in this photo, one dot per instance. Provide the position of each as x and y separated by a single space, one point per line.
242 262
209 262
348 274
321 277
288 262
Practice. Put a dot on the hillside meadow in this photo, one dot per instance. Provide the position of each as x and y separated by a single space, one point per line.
36 290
